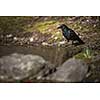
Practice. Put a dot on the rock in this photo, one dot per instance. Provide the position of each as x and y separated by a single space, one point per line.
46 71
19 66
73 70
94 70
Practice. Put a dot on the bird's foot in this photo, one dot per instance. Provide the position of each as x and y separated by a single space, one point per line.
69 42
75 43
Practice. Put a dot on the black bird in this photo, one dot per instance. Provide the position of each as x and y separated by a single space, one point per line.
69 34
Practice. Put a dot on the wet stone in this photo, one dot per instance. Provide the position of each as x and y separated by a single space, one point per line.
19 66
73 70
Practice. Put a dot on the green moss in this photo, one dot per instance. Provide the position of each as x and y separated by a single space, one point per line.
79 56
48 27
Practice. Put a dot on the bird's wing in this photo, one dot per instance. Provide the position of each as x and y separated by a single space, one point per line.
74 36
72 33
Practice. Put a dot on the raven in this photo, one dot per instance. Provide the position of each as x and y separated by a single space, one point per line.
69 34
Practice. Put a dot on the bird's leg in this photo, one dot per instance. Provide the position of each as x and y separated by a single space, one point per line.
67 40
72 42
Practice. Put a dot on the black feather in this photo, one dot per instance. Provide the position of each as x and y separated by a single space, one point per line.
69 34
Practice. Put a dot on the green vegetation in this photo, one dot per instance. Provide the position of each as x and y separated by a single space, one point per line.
86 54
26 25
49 27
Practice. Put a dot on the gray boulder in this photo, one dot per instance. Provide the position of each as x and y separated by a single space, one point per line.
73 70
20 66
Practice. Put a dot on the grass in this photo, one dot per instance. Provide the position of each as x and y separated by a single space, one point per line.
86 54
47 27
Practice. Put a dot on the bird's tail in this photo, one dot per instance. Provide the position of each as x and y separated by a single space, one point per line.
80 41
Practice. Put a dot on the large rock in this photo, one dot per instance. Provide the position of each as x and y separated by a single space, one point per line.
20 66
94 70
73 70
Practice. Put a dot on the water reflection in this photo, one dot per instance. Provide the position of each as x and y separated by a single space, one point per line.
53 54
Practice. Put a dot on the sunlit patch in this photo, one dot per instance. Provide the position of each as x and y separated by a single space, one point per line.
31 39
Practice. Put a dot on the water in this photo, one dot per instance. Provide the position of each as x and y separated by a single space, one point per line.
54 55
